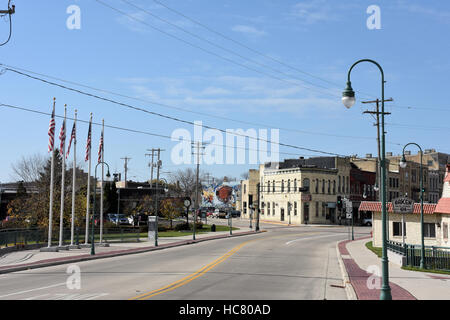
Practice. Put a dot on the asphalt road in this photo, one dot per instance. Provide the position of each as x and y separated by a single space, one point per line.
284 263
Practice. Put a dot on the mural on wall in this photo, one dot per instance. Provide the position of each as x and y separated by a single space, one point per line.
222 195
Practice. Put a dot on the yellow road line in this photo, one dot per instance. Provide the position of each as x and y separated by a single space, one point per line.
192 276
200 272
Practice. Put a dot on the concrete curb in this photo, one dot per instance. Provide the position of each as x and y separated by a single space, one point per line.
117 253
351 294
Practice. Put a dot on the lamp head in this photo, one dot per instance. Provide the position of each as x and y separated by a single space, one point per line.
376 188
403 162
108 175
348 96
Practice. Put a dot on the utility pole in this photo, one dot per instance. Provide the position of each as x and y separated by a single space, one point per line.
126 169
197 146
151 165
377 124
158 166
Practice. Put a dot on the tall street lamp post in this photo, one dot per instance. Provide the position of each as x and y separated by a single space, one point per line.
93 209
403 165
348 99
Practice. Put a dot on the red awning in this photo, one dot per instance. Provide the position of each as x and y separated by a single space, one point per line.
428 208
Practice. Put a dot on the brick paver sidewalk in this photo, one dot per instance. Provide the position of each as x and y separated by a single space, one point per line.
358 279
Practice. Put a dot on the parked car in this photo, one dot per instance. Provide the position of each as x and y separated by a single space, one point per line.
235 213
216 213
222 214
367 222
117 218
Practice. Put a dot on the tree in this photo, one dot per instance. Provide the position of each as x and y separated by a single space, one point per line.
31 210
28 168
171 209
145 205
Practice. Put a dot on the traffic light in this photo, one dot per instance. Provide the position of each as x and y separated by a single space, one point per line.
339 202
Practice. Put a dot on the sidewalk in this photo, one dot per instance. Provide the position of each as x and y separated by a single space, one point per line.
405 285
31 259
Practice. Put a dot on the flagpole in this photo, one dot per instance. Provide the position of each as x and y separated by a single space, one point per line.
86 237
74 177
52 173
101 192
63 152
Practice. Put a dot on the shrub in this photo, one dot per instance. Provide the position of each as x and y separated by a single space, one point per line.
182 226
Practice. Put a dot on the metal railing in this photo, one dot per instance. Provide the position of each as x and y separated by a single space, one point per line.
436 258
23 237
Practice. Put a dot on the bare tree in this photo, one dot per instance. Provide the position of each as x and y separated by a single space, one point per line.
28 168
185 180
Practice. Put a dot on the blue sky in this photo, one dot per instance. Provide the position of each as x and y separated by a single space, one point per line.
312 37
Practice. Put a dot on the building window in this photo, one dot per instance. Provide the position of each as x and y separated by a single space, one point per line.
262 207
282 185
273 208
334 186
245 188
317 185
306 184
273 186
429 230
289 186
317 209
295 208
445 230
295 185
323 185
324 209
329 186
245 207
397 229
268 186
339 184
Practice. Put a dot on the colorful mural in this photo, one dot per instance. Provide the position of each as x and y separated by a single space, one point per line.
222 195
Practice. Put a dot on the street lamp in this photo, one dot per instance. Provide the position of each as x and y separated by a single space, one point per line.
157 199
348 99
403 164
250 206
93 209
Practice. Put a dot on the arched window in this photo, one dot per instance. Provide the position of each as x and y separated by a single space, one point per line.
273 186
295 185
289 186
306 183
323 185
282 185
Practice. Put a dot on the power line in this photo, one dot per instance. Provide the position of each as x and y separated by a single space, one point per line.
211 52
221 47
168 117
183 109
9 12
247 47
139 131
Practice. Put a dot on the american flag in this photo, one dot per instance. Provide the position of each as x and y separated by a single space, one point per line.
100 149
62 137
51 132
88 143
72 136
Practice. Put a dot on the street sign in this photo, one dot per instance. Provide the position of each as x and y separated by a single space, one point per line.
403 205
